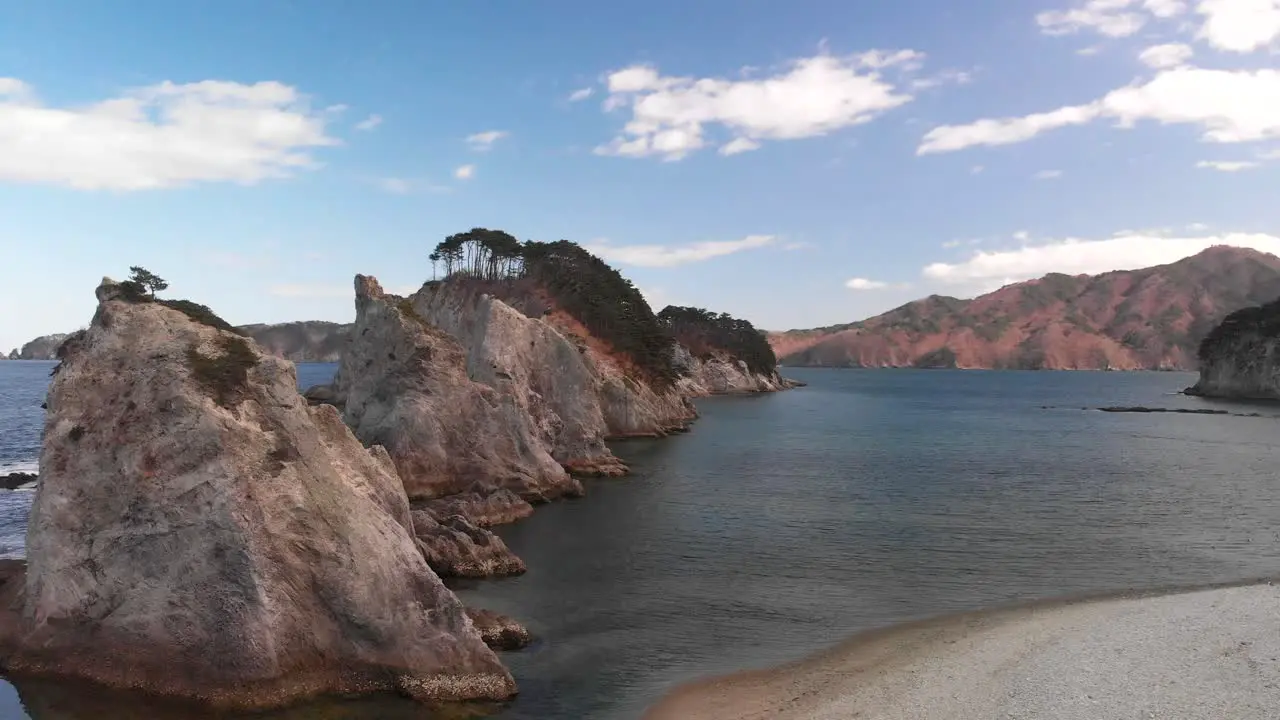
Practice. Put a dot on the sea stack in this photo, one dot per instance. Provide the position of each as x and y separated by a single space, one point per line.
199 531
1240 359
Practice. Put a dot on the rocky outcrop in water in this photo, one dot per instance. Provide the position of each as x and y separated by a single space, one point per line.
722 374
499 631
577 394
403 384
1240 358
200 531
42 348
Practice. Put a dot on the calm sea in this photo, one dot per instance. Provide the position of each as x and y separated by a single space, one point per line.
786 522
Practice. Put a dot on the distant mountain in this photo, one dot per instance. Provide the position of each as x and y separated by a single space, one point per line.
306 341
1153 318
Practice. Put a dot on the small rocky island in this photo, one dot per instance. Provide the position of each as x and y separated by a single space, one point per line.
202 531
1240 358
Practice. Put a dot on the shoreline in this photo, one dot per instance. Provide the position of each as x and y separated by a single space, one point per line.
979 664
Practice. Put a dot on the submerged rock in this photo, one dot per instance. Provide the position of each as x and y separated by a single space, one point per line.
404 385
499 631
456 547
200 532
13 481
1240 359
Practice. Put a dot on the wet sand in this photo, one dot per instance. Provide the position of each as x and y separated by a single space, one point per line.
1203 654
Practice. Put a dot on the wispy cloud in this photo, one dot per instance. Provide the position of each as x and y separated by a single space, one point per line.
581 94
369 123
671 256
859 283
1228 165
484 141
465 172
1048 175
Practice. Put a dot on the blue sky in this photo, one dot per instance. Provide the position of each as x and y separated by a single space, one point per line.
796 164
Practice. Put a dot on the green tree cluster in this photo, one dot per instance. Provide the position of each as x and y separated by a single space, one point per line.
705 332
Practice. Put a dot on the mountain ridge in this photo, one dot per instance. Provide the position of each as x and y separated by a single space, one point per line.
1146 319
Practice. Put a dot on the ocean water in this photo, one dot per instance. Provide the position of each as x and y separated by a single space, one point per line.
786 522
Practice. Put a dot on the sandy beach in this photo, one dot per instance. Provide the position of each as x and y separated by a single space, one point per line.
1207 654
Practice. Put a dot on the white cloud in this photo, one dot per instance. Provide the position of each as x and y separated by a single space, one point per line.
976 170
1022 236
1165 8
1112 18
581 94
1048 175
1228 106
1227 165
1003 131
739 145
664 256
813 96
159 136
1167 55
1090 50
1239 25
370 122
483 141
1075 256
465 172
865 284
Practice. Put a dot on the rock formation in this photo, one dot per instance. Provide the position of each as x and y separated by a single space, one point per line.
576 392
403 384
454 546
1241 357
42 348
722 374
200 531
499 631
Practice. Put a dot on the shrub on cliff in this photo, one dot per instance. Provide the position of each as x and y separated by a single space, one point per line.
705 332
223 376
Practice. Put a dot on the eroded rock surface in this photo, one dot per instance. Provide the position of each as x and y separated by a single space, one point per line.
576 394
200 532
404 385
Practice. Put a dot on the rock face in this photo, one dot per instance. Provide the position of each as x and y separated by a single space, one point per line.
403 385
1150 319
42 348
200 531
1241 357
454 546
723 375
499 631
306 341
577 395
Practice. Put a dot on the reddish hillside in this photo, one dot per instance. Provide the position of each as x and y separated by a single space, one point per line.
1127 320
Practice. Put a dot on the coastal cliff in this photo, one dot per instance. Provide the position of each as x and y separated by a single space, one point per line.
199 531
44 347
1241 357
